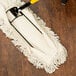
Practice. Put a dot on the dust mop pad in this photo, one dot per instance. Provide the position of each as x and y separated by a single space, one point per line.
31 36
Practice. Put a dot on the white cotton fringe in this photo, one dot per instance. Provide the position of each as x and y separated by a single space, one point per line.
49 60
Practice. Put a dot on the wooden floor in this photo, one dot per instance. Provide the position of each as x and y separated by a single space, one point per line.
62 20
